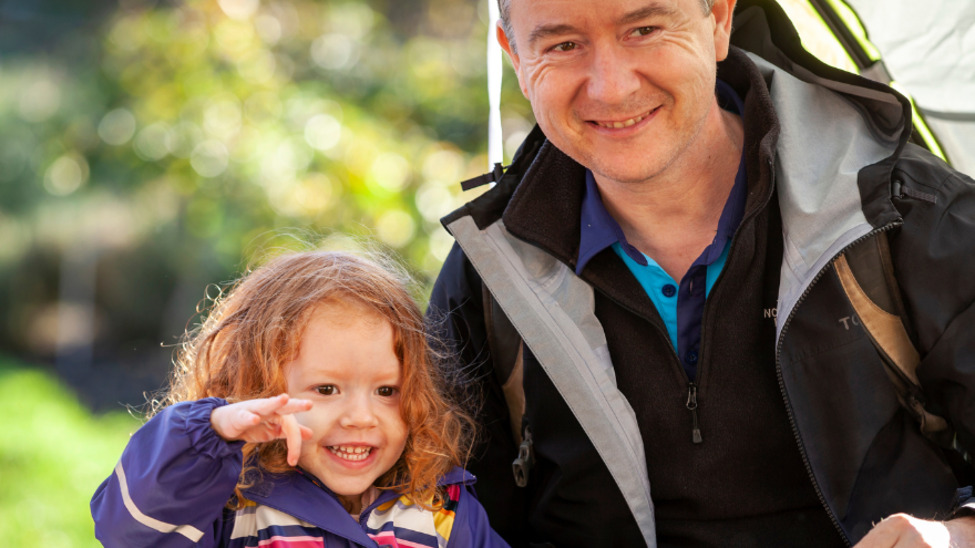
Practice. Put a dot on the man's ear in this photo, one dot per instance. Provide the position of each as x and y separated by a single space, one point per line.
505 44
723 12
515 60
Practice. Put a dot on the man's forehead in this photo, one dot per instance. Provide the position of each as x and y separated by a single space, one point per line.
544 9
554 16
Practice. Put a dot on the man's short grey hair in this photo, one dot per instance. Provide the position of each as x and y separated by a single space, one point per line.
504 7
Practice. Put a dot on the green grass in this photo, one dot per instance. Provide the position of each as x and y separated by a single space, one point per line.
53 454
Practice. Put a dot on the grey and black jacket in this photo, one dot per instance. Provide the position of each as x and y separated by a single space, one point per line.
803 441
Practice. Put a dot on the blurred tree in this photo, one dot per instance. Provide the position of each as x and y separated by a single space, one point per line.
154 148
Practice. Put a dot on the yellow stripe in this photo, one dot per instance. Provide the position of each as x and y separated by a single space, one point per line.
444 523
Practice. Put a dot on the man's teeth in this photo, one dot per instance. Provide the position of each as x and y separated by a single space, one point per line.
623 124
349 452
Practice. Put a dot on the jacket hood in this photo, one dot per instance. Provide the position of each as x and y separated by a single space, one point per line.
839 135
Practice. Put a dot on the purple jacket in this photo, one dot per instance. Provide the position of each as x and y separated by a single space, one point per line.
171 486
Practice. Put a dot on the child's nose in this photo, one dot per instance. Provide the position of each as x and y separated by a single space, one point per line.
359 413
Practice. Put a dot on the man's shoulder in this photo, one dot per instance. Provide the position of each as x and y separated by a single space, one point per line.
920 166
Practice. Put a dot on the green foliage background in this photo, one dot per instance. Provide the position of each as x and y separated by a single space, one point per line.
53 455
149 148
153 148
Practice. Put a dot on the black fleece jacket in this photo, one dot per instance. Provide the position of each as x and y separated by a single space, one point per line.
804 442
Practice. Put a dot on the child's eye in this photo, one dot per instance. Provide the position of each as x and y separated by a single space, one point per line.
326 389
386 391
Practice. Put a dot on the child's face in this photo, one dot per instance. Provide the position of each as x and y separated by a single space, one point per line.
346 366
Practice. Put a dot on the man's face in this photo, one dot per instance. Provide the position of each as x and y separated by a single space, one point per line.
625 87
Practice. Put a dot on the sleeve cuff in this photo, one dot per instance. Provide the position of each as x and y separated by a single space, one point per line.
203 438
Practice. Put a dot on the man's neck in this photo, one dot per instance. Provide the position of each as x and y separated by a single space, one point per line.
674 215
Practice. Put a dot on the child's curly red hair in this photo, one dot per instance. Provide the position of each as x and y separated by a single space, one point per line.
253 331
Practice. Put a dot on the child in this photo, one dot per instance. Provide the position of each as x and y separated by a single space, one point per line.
306 411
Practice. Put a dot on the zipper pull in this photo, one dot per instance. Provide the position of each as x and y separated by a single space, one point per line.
692 405
526 458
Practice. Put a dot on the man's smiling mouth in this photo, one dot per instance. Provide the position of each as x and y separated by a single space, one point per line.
625 123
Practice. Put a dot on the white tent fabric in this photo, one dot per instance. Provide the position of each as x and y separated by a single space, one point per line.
929 50
495 72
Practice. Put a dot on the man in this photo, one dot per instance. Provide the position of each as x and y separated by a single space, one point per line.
692 373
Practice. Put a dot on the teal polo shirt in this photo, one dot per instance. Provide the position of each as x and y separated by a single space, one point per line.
679 303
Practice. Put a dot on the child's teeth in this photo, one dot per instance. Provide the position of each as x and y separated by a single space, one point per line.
350 452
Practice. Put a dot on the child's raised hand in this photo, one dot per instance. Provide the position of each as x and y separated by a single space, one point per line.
263 420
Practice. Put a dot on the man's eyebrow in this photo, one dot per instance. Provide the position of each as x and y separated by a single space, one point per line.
651 10
544 31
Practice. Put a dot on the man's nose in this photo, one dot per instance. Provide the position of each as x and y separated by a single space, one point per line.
613 75
359 412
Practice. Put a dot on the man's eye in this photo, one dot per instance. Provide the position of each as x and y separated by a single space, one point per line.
644 31
386 391
565 46
326 389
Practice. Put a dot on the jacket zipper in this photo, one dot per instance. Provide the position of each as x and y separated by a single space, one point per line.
692 386
692 406
785 396
691 403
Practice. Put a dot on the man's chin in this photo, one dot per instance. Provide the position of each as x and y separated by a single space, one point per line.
610 173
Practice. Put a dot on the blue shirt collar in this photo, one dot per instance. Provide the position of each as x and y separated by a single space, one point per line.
600 230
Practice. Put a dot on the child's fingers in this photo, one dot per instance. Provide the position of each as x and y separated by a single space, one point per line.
243 420
232 422
267 406
263 419
282 404
294 405
292 435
